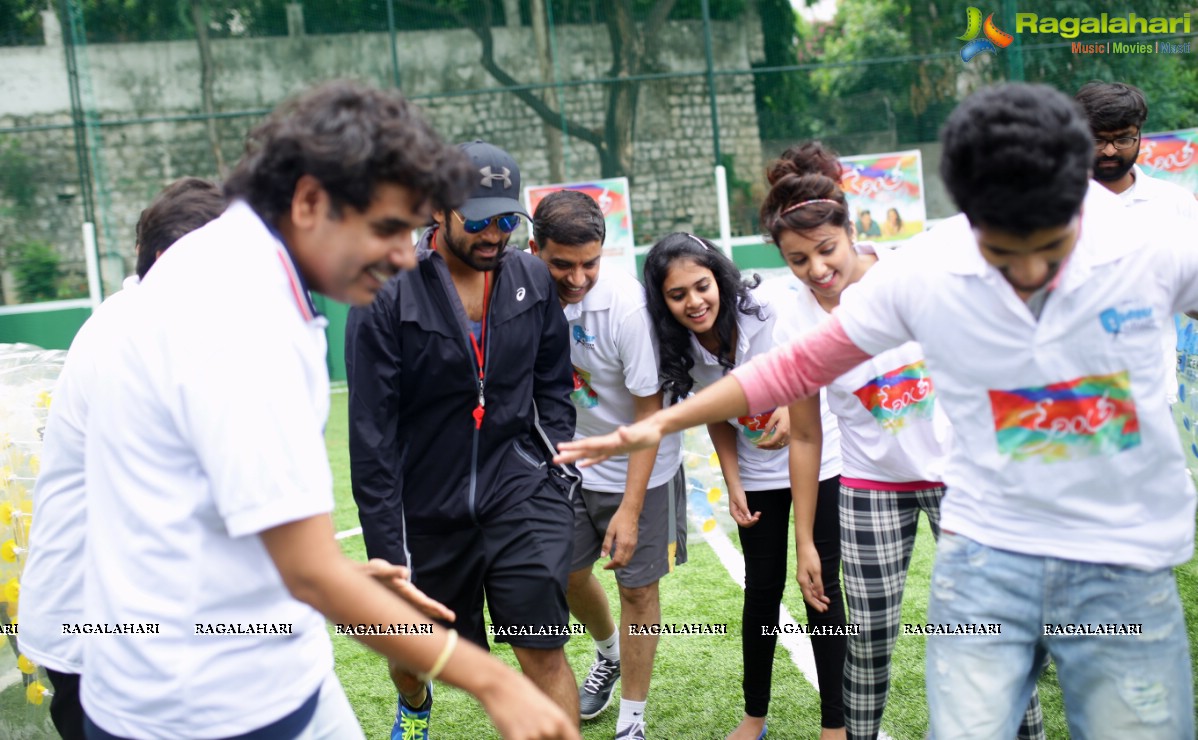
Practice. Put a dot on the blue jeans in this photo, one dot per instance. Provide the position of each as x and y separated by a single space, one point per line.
1114 686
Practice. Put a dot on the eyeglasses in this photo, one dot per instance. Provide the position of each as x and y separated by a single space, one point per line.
507 223
1123 142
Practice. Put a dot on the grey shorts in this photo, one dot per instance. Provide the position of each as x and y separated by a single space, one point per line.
661 536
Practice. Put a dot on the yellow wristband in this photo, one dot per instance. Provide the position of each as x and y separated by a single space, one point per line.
451 642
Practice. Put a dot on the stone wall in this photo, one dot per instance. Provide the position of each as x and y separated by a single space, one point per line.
134 86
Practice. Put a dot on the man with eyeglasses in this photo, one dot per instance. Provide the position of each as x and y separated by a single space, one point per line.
1116 113
459 391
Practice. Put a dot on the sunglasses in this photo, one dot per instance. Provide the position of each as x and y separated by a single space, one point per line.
507 223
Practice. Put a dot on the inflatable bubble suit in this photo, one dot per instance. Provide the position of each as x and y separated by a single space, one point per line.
704 481
1185 411
27 377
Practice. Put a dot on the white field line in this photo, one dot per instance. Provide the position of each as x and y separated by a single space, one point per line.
797 644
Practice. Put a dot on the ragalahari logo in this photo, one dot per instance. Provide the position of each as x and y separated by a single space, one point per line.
994 40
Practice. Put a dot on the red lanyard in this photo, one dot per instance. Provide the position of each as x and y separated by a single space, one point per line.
479 345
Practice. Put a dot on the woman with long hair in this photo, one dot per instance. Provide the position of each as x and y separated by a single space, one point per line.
894 437
708 321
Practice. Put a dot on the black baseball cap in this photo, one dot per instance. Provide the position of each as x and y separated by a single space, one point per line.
497 189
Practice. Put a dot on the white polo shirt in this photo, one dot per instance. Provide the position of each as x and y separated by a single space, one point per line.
209 430
52 582
615 358
764 470
1155 200
1063 444
891 428
1147 191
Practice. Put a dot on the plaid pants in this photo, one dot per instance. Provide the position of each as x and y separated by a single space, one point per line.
877 531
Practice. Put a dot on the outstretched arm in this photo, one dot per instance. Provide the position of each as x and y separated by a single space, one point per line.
722 400
788 372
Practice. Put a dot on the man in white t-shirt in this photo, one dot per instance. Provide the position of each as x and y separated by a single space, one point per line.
1039 310
632 508
210 549
1116 113
52 582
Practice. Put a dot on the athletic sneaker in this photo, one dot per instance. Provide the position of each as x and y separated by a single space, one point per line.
412 724
596 691
634 731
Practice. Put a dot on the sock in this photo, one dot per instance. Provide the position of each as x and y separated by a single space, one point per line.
610 648
424 705
630 712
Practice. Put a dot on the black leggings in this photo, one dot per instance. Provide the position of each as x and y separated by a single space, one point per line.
766 573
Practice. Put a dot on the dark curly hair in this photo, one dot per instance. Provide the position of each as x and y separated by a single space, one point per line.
350 137
672 337
1016 157
805 172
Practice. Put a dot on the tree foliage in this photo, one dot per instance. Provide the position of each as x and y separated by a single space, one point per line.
783 97
905 55
20 22
36 268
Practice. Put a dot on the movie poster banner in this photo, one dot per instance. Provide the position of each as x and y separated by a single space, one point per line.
885 194
1171 156
612 196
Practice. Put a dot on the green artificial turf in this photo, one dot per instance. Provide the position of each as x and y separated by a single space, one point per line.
695 690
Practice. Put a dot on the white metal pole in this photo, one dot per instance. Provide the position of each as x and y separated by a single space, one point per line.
94 291
721 198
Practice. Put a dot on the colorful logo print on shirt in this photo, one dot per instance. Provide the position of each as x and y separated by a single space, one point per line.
584 396
754 427
899 396
1076 419
581 336
994 40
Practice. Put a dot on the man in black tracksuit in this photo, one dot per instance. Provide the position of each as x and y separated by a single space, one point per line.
459 383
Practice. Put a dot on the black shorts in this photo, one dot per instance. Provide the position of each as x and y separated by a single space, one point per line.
519 560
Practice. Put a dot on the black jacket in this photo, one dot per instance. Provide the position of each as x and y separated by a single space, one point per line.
417 461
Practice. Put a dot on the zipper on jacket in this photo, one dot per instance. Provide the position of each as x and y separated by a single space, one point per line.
479 410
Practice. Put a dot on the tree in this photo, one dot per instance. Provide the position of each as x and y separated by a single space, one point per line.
627 31
19 180
199 17
905 54
20 22
782 96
